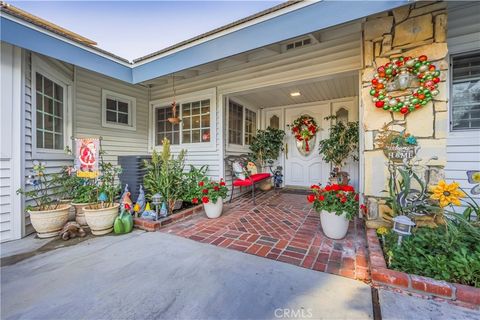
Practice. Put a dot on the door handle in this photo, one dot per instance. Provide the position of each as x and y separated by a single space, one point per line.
286 150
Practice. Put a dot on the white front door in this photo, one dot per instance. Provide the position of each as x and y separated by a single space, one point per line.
300 170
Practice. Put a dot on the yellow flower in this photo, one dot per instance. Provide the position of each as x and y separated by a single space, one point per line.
447 193
382 231
476 177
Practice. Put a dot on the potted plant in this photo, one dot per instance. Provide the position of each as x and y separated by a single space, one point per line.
84 195
165 175
101 215
337 205
48 215
265 148
341 144
211 194
191 180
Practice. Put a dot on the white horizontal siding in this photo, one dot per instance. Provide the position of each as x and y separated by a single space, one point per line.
88 115
463 147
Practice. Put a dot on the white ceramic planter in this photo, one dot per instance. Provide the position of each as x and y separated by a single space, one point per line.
80 214
100 220
49 223
214 210
71 212
334 227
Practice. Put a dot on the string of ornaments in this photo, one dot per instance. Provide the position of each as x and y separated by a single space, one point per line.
398 74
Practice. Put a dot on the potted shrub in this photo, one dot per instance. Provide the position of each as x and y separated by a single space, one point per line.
101 215
84 195
265 148
337 205
339 146
211 194
48 215
191 180
165 175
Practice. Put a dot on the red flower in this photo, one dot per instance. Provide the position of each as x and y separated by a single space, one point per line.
335 187
222 183
205 191
205 199
314 186
321 197
195 200
343 200
201 184
328 188
216 188
127 206
295 129
356 197
311 198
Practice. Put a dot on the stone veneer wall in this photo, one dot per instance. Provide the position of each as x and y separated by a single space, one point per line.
412 30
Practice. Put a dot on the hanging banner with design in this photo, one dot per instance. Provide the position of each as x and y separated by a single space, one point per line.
86 157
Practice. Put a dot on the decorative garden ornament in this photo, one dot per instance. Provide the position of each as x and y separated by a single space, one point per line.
405 84
163 210
474 178
102 198
174 119
141 200
304 129
125 199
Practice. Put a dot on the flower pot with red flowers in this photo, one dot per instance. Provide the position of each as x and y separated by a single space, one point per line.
211 194
337 205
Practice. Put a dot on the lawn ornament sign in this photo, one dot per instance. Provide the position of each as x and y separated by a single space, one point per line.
86 157
305 130
397 146
405 84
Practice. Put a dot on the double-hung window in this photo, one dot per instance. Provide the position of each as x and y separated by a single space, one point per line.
118 110
465 114
242 124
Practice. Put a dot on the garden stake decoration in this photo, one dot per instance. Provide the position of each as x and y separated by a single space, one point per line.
398 75
102 198
402 225
474 178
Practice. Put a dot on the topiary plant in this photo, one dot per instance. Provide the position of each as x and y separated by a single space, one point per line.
341 144
267 145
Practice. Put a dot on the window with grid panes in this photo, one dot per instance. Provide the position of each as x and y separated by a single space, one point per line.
196 121
165 129
250 125
235 123
50 102
117 111
466 92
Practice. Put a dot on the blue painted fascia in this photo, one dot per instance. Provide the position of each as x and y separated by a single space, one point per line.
31 39
305 20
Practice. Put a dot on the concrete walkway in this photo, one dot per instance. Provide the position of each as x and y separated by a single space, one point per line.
160 276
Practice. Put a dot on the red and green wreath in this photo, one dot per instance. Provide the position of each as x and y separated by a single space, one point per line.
304 128
397 74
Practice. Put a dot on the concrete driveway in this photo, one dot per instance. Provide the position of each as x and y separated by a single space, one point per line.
161 276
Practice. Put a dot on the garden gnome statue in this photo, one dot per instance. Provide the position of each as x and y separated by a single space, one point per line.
149 213
163 210
125 199
141 200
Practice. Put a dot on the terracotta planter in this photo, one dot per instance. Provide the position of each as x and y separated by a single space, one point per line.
49 223
80 214
333 226
100 220
265 185
214 210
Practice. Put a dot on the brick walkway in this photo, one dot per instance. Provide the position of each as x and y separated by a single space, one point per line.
281 227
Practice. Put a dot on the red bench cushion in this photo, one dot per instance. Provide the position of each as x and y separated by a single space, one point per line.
248 182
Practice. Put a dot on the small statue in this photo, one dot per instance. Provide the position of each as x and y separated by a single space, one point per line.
72 230
278 177
149 213
125 199
163 210
141 200
124 222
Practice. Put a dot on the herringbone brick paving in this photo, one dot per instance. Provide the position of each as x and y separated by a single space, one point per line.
282 226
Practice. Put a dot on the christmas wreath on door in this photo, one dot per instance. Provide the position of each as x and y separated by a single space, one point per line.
304 129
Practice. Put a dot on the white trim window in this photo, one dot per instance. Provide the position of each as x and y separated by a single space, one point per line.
465 114
51 110
242 124
118 110
198 121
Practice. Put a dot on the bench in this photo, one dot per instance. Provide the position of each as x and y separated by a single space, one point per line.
249 181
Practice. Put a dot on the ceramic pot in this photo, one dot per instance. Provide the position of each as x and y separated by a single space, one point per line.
49 223
100 220
265 185
80 214
333 226
214 210
71 213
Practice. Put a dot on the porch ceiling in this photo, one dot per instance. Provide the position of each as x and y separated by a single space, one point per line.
313 90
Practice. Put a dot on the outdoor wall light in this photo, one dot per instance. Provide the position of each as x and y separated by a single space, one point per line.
295 94
402 225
